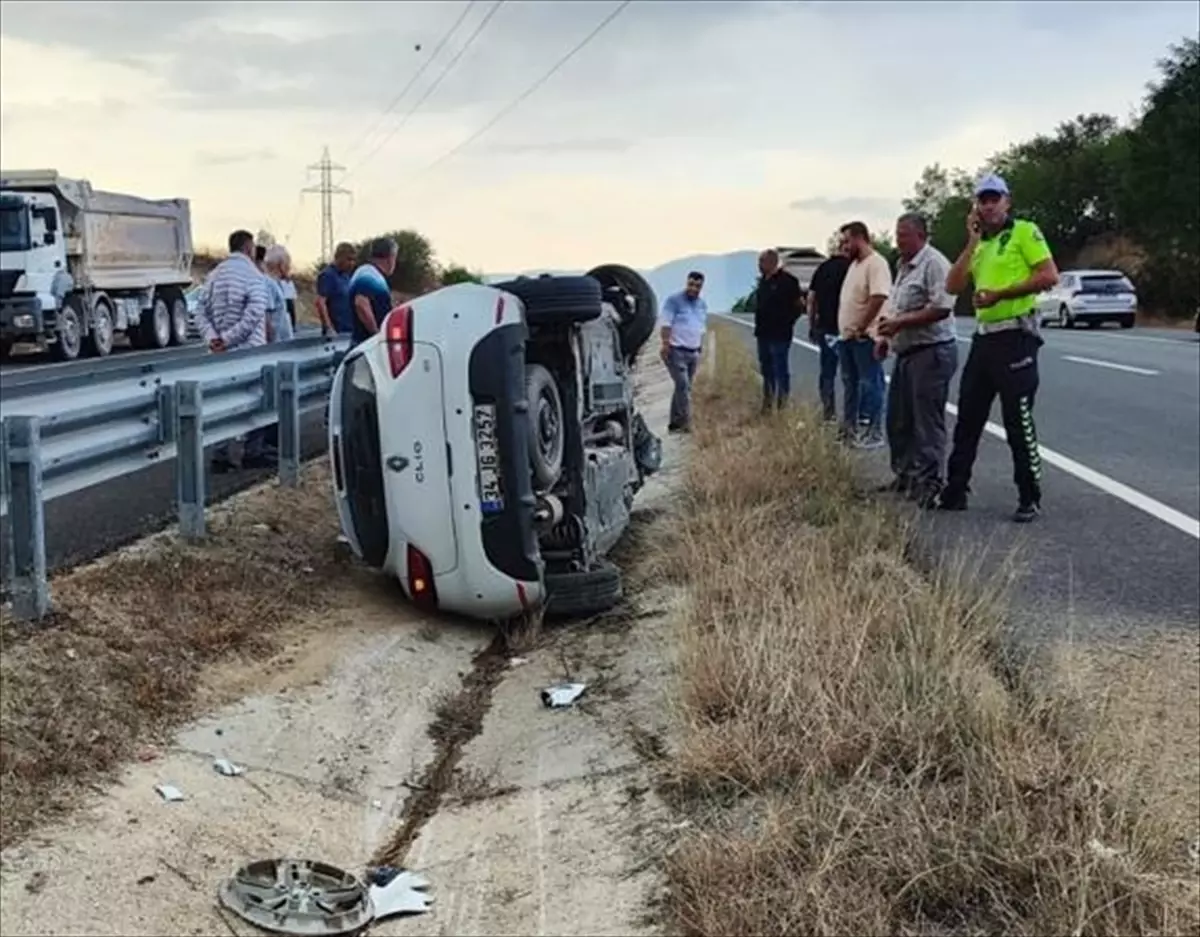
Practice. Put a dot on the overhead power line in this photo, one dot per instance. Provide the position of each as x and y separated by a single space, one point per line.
415 78
434 86
519 99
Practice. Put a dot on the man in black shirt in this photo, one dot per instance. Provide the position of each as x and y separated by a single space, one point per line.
777 306
824 294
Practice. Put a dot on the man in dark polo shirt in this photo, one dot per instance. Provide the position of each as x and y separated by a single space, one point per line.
776 309
824 294
333 292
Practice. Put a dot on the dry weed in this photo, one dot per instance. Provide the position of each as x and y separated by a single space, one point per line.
851 760
121 657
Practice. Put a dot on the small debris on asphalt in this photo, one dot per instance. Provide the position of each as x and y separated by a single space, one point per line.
517 661
403 894
37 881
262 527
145 880
169 793
228 768
377 804
562 695
70 652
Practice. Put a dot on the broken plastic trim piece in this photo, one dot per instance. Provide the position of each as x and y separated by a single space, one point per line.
403 893
169 792
562 695
298 897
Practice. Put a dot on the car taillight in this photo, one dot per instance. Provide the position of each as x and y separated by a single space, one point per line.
397 333
420 579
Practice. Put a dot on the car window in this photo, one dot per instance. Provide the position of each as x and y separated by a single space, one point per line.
1105 283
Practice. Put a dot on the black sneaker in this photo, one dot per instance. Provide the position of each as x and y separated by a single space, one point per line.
952 500
1027 512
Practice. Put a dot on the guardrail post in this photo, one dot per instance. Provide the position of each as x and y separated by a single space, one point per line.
289 423
26 546
189 458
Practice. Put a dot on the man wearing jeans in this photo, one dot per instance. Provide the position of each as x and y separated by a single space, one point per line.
776 308
824 293
867 284
681 326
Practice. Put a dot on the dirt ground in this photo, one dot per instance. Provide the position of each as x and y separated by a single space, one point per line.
372 732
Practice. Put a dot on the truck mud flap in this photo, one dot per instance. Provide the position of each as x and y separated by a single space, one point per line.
497 376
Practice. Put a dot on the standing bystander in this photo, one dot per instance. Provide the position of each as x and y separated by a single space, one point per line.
1008 263
919 329
369 293
867 284
333 292
233 315
777 306
824 293
681 326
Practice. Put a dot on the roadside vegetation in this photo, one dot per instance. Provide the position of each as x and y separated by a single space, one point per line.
122 659
855 752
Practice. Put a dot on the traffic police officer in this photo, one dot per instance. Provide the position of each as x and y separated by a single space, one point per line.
1009 263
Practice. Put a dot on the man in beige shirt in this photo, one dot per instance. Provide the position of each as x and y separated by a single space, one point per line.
864 291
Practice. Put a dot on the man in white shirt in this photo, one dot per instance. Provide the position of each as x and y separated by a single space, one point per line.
866 287
681 326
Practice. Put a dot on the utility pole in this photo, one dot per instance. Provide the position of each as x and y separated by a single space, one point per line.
327 190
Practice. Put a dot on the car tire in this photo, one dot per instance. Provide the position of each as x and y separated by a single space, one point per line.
1065 319
546 437
636 326
556 300
578 594
1127 322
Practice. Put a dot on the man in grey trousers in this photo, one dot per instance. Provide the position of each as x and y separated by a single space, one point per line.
681 327
918 328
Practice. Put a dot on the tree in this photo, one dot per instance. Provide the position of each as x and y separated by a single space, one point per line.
456 273
416 270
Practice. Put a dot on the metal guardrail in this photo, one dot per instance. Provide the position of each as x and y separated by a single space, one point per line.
81 427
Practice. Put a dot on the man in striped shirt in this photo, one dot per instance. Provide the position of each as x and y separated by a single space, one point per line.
233 315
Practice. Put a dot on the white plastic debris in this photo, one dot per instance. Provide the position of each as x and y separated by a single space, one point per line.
405 894
169 792
228 768
517 661
562 695
1104 852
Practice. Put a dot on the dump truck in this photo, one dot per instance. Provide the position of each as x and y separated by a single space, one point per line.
800 262
79 267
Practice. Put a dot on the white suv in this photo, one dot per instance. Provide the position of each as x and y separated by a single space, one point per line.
1091 296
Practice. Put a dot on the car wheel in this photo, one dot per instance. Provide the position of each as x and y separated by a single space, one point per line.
574 595
545 425
154 329
1065 319
637 325
556 300
1128 321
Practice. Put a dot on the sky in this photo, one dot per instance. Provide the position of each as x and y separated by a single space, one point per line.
682 128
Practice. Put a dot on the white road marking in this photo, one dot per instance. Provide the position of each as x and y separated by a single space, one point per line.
1110 486
1110 364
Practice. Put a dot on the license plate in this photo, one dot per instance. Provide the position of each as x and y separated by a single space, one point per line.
487 459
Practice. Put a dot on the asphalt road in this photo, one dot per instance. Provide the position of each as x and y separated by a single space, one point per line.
92 522
1117 550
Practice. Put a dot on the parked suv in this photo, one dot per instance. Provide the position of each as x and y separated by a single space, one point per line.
1091 296
486 445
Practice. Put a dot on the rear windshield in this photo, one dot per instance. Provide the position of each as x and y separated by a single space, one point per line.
1114 283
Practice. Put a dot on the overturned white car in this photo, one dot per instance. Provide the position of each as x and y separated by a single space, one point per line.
486 446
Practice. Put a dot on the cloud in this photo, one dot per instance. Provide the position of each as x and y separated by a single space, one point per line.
849 206
232 157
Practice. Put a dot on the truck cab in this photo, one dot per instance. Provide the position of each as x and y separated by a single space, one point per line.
33 264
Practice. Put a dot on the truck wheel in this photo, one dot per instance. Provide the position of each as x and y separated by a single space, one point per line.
154 326
545 425
637 325
574 595
556 300
100 335
69 331
179 317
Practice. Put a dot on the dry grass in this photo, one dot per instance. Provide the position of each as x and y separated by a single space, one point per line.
849 759
121 659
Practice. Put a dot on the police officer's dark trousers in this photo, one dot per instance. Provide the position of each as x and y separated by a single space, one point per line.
1004 364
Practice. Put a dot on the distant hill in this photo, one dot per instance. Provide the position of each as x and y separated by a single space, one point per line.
727 277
